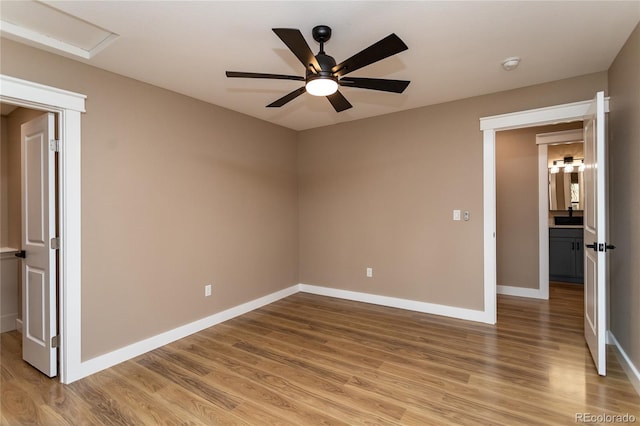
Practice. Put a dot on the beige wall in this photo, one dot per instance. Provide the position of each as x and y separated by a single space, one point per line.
517 240
176 193
624 206
380 193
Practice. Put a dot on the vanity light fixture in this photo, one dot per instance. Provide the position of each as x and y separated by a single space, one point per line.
568 165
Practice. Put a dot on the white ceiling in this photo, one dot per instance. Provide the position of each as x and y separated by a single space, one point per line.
455 48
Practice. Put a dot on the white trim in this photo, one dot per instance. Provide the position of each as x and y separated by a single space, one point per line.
564 136
632 371
543 221
20 91
70 266
539 116
68 106
19 325
394 302
131 351
532 293
123 354
489 210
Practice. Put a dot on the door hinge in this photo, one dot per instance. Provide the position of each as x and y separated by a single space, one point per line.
54 342
54 145
55 243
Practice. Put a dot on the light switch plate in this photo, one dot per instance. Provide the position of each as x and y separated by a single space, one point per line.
456 215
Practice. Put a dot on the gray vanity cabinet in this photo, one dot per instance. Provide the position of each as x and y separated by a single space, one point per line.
566 255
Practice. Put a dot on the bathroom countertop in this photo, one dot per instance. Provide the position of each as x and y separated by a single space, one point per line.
8 253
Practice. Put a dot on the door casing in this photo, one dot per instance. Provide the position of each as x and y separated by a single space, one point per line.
489 126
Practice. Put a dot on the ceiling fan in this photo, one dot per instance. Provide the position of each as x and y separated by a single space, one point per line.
323 75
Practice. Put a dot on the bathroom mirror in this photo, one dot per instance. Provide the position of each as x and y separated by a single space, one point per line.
566 189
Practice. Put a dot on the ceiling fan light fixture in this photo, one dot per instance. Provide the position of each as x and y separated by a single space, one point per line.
323 75
322 86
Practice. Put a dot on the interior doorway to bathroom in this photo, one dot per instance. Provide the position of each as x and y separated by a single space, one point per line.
523 215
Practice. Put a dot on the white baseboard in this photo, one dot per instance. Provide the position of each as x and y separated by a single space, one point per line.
19 325
8 322
123 354
625 362
533 293
411 305
110 359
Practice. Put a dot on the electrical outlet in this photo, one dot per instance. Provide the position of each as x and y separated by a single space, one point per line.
466 215
369 272
207 290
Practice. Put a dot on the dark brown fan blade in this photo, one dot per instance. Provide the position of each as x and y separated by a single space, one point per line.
395 86
286 98
339 102
297 44
237 74
386 47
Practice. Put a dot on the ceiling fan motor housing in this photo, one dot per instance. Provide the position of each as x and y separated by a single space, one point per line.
321 33
326 63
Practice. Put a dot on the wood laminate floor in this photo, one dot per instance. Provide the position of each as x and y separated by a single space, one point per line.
308 360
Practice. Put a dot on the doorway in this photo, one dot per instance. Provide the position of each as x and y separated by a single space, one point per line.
523 211
30 206
490 126
68 107
595 224
561 156
11 207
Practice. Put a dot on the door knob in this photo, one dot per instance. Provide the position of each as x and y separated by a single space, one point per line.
22 254
593 246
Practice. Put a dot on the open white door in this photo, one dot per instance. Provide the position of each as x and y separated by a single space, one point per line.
38 231
595 230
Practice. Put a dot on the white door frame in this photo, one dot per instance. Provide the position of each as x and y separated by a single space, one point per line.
68 106
543 140
489 126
